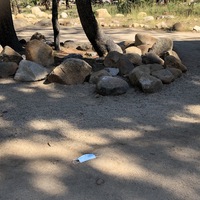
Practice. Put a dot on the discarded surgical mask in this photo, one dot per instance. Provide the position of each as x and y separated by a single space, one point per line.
85 158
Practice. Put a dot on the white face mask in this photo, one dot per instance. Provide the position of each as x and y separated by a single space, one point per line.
85 157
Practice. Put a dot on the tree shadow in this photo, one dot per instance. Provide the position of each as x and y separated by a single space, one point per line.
147 145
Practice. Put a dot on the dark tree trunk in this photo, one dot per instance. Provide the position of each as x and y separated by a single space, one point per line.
15 7
100 42
56 26
8 35
67 4
46 3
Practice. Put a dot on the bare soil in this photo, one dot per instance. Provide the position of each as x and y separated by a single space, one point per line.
147 145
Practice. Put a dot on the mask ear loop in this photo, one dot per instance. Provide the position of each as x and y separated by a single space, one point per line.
75 162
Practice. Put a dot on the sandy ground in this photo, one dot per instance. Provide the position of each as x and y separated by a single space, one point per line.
147 145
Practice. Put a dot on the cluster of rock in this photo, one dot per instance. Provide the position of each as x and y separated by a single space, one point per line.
162 21
146 63
41 18
38 17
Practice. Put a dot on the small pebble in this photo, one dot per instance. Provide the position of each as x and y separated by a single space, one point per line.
100 181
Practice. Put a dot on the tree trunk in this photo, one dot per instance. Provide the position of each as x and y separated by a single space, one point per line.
56 26
100 42
67 4
15 7
8 35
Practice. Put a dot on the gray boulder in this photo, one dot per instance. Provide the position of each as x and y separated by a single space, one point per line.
70 44
120 61
71 71
142 38
173 62
112 71
10 55
124 65
39 52
38 36
112 46
178 26
150 84
151 58
108 85
30 71
44 22
164 75
125 44
134 58
155 67
161 46
112 58
144 48
133 49
7 69
176 72
84 47
94 78
137 72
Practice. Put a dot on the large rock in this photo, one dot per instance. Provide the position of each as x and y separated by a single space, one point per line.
133 49
38 36
71 71
178 26
138 72
63 15
112 46
161 46
21 23
44 22
151 58
102 13
39 52
36 11
134 58
108 85
94 78
176 72
144 48
164 75
142 38
196 28
149 18
7 69
124 65
120 61
155 67
70 44
30 71
172 62
125 44
171 53
150 84
112 58
10 55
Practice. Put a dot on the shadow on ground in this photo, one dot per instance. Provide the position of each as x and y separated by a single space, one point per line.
147 144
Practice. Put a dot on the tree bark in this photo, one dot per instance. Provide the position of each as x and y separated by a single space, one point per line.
67 4
56 26
15 7
100 42
8 35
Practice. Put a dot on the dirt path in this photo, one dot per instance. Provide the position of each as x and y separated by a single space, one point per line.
147 144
